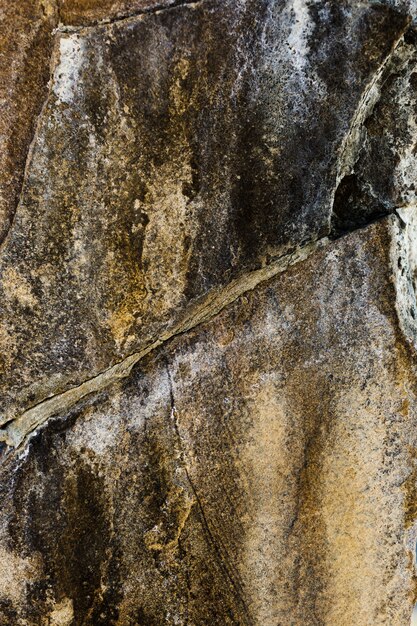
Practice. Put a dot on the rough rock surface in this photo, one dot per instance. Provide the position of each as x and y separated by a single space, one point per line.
257 470
177 150
208 319
86 12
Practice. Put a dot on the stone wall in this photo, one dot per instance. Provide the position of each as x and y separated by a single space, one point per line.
208 319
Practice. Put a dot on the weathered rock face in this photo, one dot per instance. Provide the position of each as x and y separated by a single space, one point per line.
177 150
207 341
254 471
86 12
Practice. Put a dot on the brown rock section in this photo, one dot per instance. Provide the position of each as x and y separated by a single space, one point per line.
256 470
87 12
178 150
25 51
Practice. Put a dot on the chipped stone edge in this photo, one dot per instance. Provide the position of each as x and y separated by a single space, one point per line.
403 256
353 140
19 430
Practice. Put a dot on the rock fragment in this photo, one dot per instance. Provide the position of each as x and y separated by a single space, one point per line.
25 50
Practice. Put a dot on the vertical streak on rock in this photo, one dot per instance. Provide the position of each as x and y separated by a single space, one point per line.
404 264
218 548
26 47
274 466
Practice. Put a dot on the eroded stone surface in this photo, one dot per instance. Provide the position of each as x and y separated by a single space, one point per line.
257 470
177 150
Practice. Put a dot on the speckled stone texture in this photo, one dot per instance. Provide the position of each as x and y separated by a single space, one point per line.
253 471
208 319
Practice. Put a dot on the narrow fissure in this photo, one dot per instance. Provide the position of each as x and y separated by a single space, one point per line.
67 28
222 558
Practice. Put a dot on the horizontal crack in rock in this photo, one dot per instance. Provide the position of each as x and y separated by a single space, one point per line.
67 28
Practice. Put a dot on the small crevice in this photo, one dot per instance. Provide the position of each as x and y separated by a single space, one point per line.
68 28
354 207
222 557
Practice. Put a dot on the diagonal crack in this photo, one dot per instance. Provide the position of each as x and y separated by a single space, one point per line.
398 56
16 432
